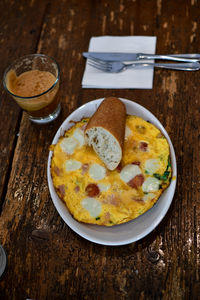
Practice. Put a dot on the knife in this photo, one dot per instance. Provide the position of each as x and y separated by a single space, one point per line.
117 56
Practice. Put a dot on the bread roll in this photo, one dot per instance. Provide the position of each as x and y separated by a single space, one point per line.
105 131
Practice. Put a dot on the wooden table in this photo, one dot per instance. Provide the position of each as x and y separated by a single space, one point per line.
46 259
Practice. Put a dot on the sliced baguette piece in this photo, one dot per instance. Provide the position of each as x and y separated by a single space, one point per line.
105 131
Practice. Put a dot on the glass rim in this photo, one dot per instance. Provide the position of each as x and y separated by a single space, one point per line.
23 57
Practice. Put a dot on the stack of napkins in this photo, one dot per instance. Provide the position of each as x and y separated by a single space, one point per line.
128 79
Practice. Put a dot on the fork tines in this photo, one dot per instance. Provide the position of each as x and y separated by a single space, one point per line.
98 64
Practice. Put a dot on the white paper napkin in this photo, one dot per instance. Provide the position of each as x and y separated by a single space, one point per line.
129 79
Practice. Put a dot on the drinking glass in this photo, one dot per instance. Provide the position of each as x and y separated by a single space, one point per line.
37 92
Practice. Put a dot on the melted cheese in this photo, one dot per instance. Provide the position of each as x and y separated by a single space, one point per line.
151 184
97 172
128 132
92 205
72 165
152 165
129 172
79 136
103 187
148 197
68 145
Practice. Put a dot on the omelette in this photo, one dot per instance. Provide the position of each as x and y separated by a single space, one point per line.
92 193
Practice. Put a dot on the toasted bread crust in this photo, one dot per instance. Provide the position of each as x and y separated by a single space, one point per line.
111 115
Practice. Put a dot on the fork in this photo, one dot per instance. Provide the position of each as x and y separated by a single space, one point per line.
116 67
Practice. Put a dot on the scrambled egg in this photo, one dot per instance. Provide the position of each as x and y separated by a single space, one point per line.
95 195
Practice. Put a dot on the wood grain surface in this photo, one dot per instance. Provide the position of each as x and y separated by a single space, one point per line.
46 259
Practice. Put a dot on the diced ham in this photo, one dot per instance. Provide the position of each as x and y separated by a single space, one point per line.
143 146
106 218
119 167
61 189
137 181
139 200
137 163
57 171
92 190
84 168
111 199
77 189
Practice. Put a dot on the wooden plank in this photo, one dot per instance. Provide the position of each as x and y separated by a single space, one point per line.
45 258
19 33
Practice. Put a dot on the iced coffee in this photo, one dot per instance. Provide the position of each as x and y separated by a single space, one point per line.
35 88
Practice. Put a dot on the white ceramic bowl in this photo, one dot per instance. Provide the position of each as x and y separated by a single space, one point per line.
133 230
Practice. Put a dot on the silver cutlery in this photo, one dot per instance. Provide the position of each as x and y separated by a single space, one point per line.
116 67
109 56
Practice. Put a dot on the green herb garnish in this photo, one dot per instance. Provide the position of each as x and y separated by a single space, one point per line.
166 174
169 163
163 177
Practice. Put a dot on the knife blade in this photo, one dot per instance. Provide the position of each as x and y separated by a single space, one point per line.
117 56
